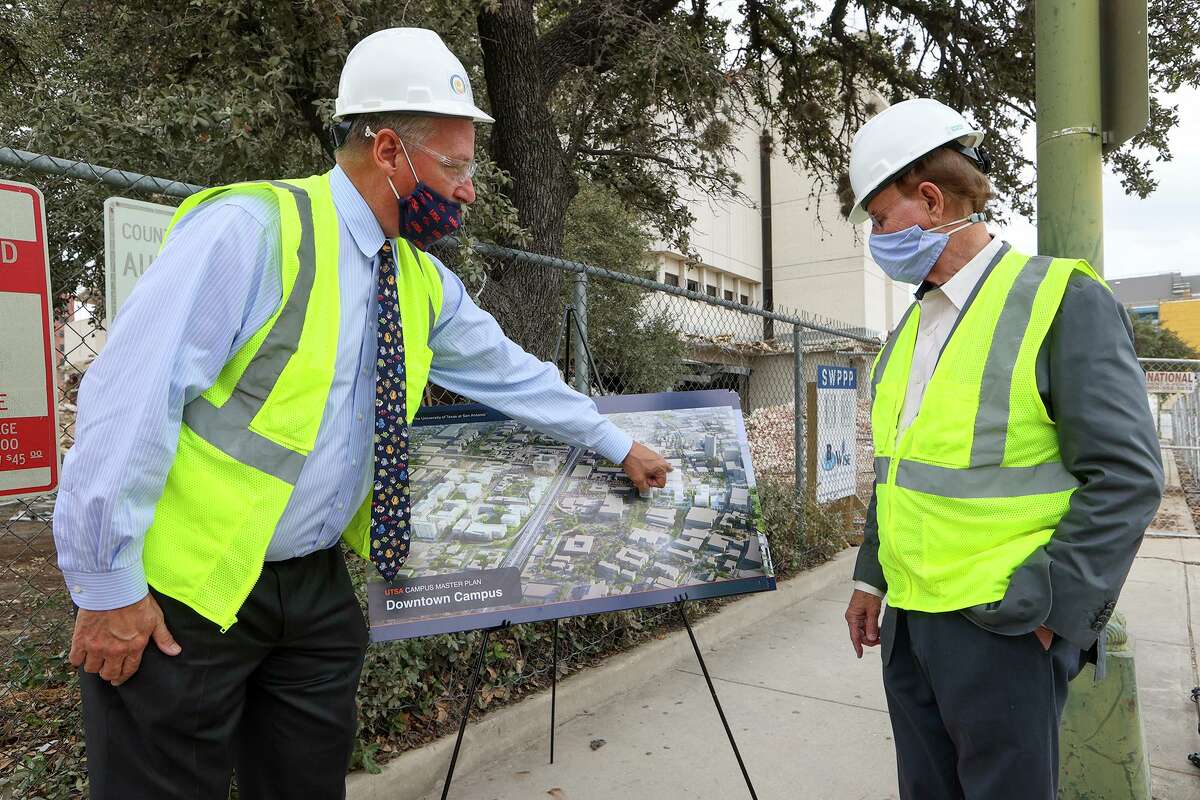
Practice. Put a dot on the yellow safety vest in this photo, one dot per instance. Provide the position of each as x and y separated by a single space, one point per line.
976 483
243 443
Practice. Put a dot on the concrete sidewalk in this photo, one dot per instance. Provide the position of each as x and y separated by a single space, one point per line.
811 719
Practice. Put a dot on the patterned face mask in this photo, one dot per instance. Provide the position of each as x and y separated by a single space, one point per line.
425 215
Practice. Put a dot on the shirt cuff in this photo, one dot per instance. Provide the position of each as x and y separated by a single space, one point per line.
614 445
868 588
104 591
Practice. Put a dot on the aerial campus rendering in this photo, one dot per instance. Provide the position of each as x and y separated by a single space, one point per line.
498 494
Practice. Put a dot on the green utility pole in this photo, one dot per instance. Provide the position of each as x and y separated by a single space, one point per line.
1093 95
1070 210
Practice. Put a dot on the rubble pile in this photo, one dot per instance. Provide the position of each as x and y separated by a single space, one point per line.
771 432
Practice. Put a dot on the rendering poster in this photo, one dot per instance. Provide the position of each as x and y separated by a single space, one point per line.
511 525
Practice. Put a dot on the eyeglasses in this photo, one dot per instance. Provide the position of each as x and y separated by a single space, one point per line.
458 171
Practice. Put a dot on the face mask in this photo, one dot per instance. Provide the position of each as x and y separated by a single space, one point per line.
908 256
425 215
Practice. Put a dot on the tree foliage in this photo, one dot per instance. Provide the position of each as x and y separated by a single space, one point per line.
635 345
1152 340
640 96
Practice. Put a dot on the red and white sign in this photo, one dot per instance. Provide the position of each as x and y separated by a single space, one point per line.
1165 382
28 385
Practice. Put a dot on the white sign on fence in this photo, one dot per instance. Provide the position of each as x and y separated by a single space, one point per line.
1165 382
837 406
133 234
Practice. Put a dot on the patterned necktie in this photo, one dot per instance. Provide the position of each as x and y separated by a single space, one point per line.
390 503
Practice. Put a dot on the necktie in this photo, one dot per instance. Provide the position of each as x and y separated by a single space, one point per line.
390 504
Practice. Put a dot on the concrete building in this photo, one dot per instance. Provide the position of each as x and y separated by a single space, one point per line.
541 592
700 518
654 539
663 517
1183 318
1170 299
739 499
613 509
820 262
1142 294
577 545
632 558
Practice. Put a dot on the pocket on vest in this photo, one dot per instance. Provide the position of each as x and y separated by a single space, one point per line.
291 415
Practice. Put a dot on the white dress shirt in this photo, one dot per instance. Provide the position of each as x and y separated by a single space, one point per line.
940 309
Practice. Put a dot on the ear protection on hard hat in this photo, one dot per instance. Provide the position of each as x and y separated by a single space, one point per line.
340 131
977 154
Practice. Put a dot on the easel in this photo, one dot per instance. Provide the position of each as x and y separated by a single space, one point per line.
570 321
462 725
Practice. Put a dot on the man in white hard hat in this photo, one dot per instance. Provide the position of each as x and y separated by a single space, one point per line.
218 462
1016 467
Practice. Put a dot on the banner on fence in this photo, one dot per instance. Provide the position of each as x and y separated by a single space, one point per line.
133 235
837 407
28 381
511 525
1166 382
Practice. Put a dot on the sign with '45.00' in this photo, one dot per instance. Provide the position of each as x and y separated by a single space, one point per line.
28 388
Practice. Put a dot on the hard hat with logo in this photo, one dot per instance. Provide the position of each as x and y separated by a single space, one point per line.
405 69
895 138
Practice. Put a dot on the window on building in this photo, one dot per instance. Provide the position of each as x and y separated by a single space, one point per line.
671 279
729 295
693 286
710 290
745 299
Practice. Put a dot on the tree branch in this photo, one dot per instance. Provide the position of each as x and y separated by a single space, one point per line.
577 40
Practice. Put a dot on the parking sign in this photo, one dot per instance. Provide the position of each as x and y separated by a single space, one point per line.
28 385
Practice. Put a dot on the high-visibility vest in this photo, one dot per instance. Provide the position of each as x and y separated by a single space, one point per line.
976 483
244 441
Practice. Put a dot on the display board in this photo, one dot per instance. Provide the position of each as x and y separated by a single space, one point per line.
512 525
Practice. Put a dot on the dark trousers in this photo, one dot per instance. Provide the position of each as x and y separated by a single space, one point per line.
272 698
975 714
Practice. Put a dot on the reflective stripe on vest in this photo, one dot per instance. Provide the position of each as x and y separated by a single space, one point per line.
244 441
228 428
976 482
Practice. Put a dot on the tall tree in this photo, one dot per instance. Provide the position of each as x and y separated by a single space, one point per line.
641 96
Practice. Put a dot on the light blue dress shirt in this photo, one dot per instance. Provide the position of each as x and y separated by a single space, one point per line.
213 285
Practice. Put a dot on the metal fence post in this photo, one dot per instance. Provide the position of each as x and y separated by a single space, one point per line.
1189 430
582 367
801 435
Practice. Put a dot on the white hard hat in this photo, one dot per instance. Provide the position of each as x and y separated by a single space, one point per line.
405 69
893 139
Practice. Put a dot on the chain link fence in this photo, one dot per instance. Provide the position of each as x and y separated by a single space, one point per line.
681 340
1174 390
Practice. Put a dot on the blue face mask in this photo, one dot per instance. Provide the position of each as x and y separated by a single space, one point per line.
908 256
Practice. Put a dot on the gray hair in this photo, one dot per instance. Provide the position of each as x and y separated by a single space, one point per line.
409 127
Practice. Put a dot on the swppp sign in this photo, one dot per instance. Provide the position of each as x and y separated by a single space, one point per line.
837 404
133 235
